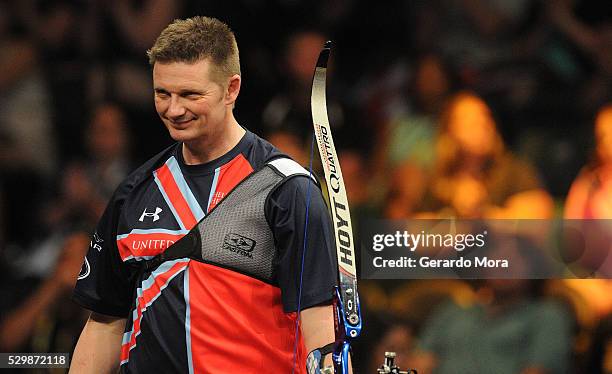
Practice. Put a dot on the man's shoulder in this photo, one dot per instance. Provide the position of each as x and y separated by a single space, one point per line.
287 167
260 151
144 171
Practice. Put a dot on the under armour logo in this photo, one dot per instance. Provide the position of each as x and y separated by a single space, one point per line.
154 215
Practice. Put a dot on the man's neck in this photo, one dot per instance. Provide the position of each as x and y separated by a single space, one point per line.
205 150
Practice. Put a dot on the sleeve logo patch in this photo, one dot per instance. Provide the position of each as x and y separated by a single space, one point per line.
239 244
85 269
96 242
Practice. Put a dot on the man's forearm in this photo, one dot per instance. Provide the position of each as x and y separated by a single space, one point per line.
318 329
99 346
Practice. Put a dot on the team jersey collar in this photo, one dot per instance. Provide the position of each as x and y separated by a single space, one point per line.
209 167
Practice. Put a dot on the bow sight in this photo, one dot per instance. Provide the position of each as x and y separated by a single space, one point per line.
389 366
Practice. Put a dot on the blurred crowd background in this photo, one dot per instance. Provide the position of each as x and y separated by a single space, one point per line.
440 108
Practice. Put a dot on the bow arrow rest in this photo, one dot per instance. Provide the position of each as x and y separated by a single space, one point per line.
346 305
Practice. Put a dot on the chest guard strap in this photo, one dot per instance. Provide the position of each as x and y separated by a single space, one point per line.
243 208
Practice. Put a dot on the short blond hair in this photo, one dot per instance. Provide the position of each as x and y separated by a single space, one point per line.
193 39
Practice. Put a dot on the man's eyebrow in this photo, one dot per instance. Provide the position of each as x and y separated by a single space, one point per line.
190 91
184 91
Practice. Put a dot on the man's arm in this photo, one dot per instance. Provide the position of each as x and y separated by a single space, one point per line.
99 346
318 329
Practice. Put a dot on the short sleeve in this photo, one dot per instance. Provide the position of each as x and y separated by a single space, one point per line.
103 285
286 214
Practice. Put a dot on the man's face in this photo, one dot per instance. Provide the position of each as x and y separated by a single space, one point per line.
190 104
473 127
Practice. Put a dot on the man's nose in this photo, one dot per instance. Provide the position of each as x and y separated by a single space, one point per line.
176 108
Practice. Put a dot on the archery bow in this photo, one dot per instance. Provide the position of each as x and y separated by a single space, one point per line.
347 316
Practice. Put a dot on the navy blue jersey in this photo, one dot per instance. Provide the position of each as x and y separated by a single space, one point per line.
192 316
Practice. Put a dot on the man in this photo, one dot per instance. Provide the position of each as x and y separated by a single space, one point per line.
230 305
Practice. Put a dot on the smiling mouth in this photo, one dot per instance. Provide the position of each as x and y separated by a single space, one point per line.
180 123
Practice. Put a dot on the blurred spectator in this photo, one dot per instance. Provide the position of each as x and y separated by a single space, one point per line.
588 27
409 132
27 147
509 331
125 29
600 360
465 29
364 203
474 176
62 35
132 26
290 109
84 189
590 197
26 134
477 37
540 64
87 186
107 139
406 138
591 193
407 184
47 321
356 170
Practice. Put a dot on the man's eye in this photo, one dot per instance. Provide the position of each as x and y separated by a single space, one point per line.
162 95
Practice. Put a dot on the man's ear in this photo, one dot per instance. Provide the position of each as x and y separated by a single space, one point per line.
233 89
